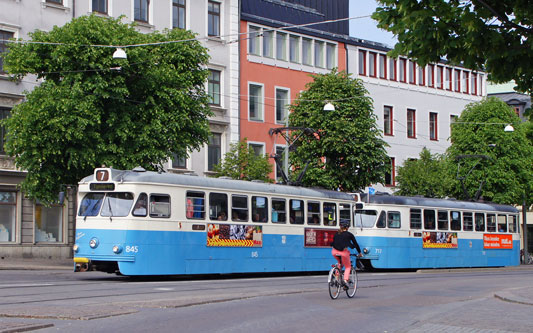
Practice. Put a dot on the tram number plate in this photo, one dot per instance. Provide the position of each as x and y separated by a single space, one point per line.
255 254
132 248
378 251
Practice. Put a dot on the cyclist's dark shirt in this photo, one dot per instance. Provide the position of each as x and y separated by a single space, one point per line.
343 240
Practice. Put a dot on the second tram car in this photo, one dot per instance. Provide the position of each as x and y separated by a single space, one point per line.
414 232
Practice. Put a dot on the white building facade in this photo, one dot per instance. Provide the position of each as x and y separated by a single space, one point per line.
28 229
415 105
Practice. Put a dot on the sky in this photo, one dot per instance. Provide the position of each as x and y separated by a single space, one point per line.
367 28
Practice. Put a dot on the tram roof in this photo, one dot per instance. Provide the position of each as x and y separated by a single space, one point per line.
438 203
130 176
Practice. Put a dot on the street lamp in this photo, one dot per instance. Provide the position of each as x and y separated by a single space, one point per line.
329 107
508 128
120 54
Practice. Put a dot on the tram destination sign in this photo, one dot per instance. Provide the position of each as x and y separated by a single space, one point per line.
102 186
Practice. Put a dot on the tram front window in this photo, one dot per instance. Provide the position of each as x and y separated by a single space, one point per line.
117 204
90 205
365 218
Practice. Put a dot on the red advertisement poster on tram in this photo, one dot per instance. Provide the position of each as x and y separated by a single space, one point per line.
318 237
497 241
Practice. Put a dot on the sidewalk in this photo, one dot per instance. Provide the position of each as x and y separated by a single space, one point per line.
36 264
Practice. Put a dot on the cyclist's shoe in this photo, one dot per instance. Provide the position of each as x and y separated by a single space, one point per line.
345 285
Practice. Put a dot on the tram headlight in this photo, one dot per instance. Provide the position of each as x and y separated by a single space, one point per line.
75 248
366 251
93 243
117 249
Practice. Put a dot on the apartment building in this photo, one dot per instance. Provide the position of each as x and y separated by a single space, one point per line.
29 229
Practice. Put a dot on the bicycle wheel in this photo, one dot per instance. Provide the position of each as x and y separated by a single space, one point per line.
352 283
334 282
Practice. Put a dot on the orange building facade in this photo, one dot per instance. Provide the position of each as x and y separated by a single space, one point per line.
275 66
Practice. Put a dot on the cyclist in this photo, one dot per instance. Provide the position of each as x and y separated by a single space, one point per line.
341 242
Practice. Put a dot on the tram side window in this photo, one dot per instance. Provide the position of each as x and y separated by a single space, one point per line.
455 220
467 222
239 208
502 223
218 206
429 219
416 218
313 212
195 205
394 220
117 204
512 223
480 221
365 218
140 208
330 216
259 209
296 211
382 221
159 205
345 213
491 223
91 203
279 211
442 219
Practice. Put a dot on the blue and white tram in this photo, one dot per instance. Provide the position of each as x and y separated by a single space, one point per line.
414 232
145 223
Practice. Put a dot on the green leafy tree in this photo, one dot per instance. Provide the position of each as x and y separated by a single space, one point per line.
491 34
241 162
347 151
507 172
93 110
427 176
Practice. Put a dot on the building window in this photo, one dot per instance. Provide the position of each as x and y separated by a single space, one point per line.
100 6
387 120
4 35
465 82
214 150
178 162
382 66
141 10
48 223
213 87
372 68
178 14
268 44
392 70
255 102
516 110
473 84
307 55
282 100
411 123
59 2
457 80
330 56
4 113
319 54
448 82
213 18
8 205
362 62
431 75
481 77
294 48
403 69
440 72
390 173
254 46
453 120
433 126
258 148
412 72
281 46
422 75
280 151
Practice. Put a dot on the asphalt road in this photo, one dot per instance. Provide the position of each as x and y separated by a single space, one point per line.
443 301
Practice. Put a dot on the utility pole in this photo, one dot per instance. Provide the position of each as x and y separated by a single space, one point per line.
524 229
